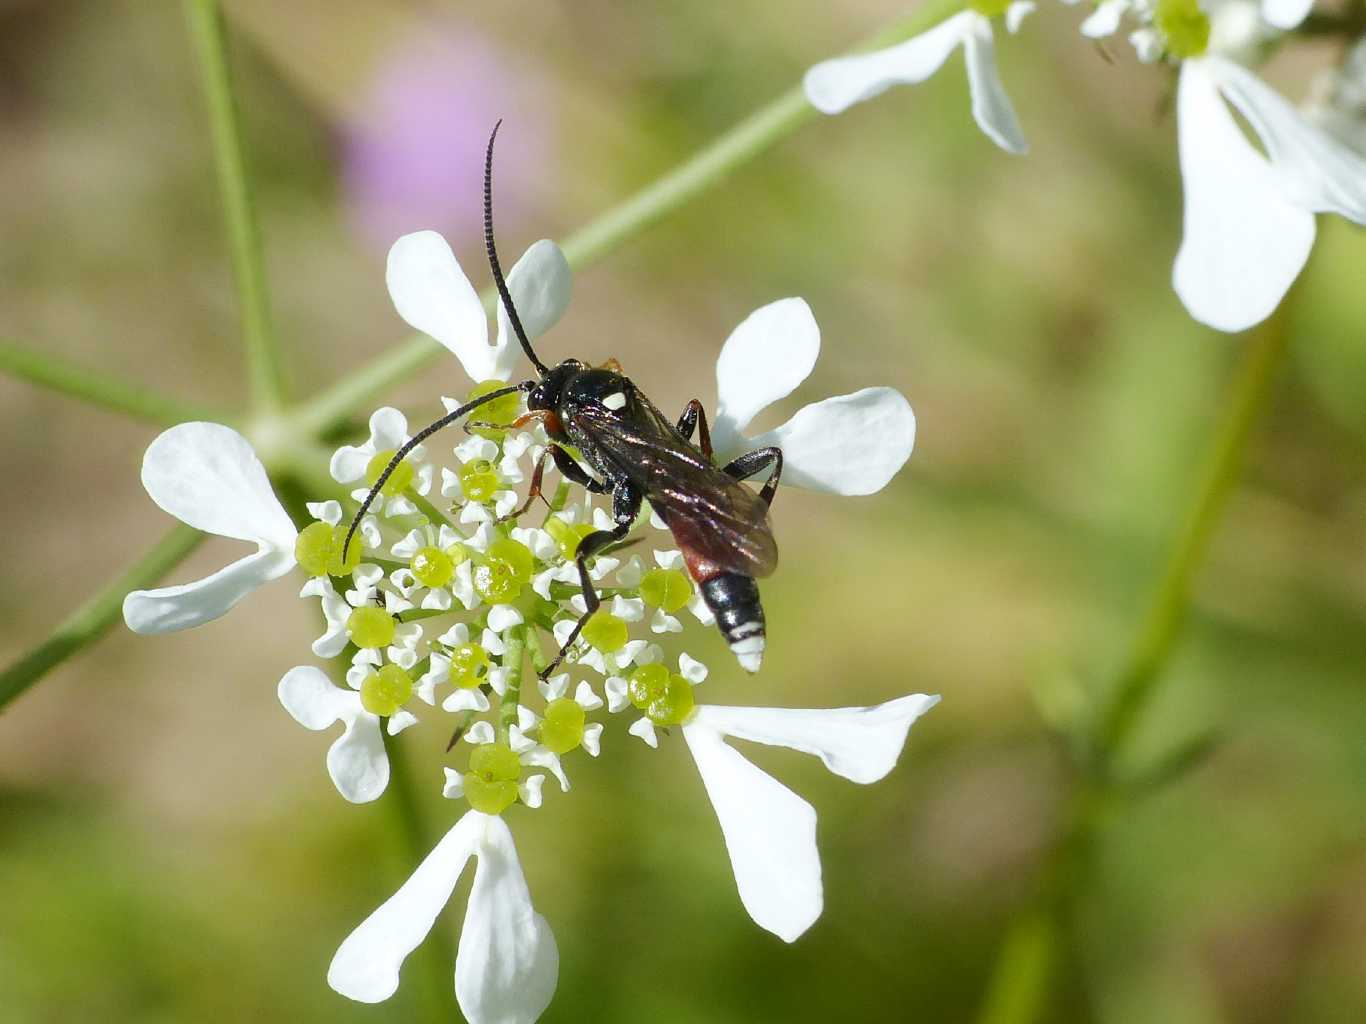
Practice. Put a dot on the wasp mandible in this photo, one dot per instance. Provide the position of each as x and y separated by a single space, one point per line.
721 526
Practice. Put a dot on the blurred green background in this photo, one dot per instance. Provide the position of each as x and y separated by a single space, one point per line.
170 846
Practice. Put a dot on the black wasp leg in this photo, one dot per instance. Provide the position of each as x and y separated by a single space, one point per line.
625 507
573 472
757 461
696 416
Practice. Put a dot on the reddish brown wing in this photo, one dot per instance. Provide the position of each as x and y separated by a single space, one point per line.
719 523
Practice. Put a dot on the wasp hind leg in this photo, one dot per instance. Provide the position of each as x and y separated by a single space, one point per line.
625 507
755 462
695 418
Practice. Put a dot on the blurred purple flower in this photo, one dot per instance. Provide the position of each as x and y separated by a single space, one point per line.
414 152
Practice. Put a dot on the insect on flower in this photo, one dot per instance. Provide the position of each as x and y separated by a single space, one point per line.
721 526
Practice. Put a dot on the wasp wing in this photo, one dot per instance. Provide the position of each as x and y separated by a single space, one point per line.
719 523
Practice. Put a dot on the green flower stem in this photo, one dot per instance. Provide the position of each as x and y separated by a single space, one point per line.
1021 979
1161 624
750 138
99 388
92 619
515 639
433 989
263 362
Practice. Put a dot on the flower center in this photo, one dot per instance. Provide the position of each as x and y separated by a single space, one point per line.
605 632
1185 26
399 480
432 567
501 410
318 550
496 582
478 480
469 665
368 626
990 8
567 535
517 556
666 589
562 727
384 692
491 782
665 698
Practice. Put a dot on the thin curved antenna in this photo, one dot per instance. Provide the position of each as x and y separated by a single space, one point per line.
503 292
417 439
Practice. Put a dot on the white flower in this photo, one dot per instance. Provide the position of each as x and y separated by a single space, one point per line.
770 832
836 85
434 296
507 963
388 433
207 476
1286 14
356 762
851 444
1249 218
506 471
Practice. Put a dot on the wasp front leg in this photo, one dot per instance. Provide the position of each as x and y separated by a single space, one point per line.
752 463
625 507
695 417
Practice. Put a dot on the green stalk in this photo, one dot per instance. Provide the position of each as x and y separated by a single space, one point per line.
1022 977
515 639
99 388
263 362
90 622
750 138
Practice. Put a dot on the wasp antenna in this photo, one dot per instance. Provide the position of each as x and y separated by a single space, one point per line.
417 439
503 292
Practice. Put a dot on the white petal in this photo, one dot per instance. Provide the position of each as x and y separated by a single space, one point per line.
504 616
861 744
366 966
540 757
464 698
329 512
628 609
555 687
399 721
851 444
772 351
480 733
991 107
529 790
1286 14
836 85
1320 173
1104 20
1244 241
206 475
434 296
662 622
454 787
585 698
616 689
770 834
540 283
507 964
592 738
389 429
193 604
645 729
691 669
1021 9
356 761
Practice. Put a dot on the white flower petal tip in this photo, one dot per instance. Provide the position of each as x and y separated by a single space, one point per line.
1286 14
1018 11
991 107
507 964
772 351
848 445
859 744
207 476
356 761
834 86
433 295
770 834
645 730
1244 240
541 284
1104 20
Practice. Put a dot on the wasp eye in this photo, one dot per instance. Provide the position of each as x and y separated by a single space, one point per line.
615 401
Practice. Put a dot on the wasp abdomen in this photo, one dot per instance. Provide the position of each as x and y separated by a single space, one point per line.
734 600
